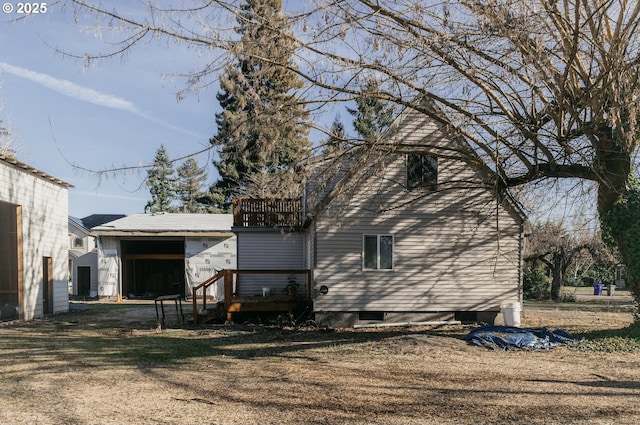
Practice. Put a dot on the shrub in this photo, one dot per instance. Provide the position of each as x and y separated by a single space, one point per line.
536 284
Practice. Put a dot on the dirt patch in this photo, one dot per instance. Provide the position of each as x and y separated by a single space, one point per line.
112 366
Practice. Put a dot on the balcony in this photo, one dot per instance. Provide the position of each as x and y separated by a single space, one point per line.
268 212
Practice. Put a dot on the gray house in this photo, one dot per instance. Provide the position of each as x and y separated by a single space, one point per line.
401 233
34 270
83 255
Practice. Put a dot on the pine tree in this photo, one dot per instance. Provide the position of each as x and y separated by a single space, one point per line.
372 115
263 129
191 179
336 140
161 181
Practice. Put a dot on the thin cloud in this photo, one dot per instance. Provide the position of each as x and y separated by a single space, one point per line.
86 94
106 195
70 89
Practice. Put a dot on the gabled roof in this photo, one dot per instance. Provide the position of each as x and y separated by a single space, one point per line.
76 223
76 220
31 170
166 224
95 220
412 131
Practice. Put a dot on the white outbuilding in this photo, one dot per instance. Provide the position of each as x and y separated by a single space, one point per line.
34 250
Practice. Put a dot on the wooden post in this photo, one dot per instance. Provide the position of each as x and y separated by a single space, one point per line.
228 291
309 285
204 297
194 299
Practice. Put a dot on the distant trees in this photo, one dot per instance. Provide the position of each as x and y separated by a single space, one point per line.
263 128
372 115
161 182
175 193
336 141
555 256
5 142
191 180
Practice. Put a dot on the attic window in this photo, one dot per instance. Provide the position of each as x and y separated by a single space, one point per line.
422 171
78 243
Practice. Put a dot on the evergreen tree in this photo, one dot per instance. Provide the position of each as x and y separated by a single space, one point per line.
161 181
263 129
336 141
191 179
372 115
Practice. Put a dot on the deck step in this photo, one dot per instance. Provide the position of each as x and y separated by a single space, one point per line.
211 312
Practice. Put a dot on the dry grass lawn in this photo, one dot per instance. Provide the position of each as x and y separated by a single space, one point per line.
109 365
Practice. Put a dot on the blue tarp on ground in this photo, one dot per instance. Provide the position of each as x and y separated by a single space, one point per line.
506 337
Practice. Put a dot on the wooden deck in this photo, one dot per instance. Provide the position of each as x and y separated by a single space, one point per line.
259 304
234 303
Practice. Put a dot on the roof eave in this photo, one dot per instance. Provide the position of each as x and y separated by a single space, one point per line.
137 233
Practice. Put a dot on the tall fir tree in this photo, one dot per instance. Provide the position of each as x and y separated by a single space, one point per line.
372 115
161 181
191 179
263 128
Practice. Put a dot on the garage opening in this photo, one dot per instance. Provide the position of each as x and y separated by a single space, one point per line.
153 267
10 246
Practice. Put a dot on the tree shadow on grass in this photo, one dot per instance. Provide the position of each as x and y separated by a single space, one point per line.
86 339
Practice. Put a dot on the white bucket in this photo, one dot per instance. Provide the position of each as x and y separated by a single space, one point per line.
266 292
511 314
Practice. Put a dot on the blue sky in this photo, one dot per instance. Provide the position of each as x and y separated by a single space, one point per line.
114 113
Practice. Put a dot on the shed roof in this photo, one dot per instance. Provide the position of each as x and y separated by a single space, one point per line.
95 220
166 224
31 170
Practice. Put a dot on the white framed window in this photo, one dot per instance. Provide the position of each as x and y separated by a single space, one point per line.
377 252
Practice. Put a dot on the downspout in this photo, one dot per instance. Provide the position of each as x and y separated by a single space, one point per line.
119 257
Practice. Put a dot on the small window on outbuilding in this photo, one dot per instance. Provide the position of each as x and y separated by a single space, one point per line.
422 171
78 243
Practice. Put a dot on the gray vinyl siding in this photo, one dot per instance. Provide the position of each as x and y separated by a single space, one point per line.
271 250
455 249
437 267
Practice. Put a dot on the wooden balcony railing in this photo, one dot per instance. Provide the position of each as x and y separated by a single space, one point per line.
267 212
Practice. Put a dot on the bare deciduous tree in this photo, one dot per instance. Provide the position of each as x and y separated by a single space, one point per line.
5 142
536 89
562 250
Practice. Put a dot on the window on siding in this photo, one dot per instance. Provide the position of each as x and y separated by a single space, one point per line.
422 171
78 243
377 252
